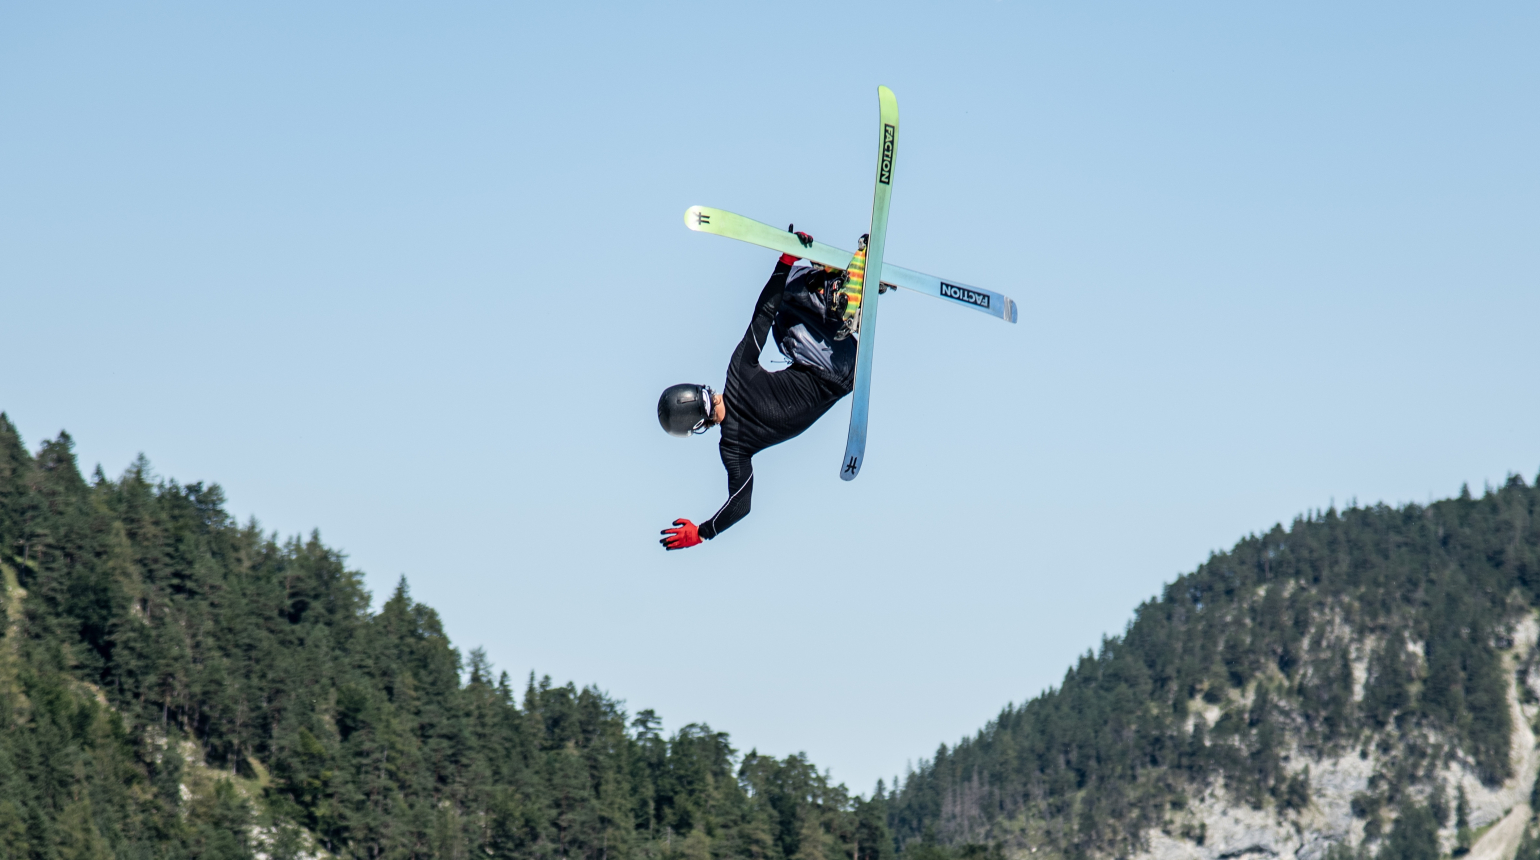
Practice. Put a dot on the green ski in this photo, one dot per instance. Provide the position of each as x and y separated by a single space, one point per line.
876 244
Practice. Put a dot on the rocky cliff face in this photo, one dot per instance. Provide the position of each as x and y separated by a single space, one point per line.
1216 828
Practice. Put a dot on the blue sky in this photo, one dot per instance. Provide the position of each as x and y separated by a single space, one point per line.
414 275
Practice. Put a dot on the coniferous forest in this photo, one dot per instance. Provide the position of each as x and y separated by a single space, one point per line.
175 684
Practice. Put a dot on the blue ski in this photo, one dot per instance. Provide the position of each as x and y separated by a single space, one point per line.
882 195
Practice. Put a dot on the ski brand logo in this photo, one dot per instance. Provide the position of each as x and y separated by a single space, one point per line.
963 294
885 167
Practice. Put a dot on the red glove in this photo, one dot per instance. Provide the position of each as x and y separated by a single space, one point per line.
684 537
805 239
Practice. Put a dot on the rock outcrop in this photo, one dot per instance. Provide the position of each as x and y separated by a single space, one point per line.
1219 829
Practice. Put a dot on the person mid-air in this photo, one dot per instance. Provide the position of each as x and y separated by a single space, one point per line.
759 408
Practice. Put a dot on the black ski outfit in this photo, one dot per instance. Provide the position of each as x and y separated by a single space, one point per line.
765 407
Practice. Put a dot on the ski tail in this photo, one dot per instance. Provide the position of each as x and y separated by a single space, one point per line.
876 245
720 222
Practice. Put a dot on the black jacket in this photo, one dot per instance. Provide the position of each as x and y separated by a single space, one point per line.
766 408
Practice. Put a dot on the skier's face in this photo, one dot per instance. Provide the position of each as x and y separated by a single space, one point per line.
718 412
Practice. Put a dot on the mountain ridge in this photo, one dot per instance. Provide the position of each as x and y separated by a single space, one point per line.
1375 630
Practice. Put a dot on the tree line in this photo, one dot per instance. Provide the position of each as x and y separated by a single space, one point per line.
174 684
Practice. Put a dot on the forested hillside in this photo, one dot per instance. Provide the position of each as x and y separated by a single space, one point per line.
175 684
1375 635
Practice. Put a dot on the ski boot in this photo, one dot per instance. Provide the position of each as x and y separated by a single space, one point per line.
848 298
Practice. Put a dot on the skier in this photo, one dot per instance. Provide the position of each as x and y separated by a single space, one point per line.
758 408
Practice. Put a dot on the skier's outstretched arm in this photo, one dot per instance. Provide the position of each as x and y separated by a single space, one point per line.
740 492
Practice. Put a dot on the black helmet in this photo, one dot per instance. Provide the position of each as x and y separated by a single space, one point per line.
684 409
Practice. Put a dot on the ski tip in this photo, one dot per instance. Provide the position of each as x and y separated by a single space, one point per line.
1010 309
692 217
